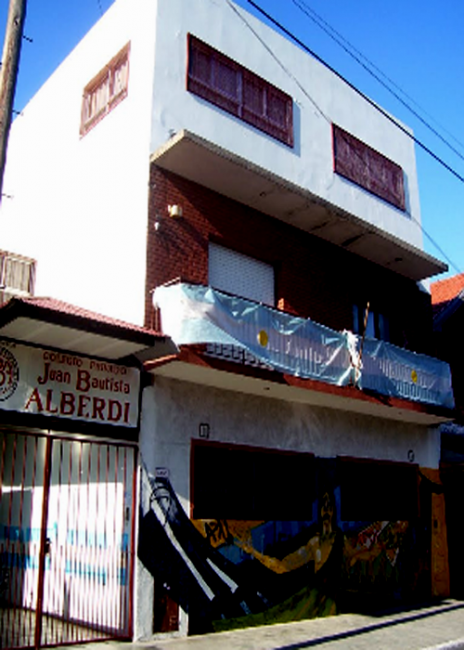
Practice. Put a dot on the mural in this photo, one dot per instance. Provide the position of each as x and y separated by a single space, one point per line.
229 573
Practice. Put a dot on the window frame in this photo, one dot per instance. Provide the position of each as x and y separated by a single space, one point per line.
378 321
8 258
105 81
236 104
366 167
260 264
8 290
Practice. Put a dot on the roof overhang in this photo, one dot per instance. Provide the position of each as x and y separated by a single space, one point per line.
191 366
218 169
52 324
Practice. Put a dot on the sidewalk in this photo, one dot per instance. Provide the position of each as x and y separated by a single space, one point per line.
438 626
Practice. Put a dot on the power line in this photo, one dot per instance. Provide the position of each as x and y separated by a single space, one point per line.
316 17
278 61
330 31
439 248
305 92
350 49
307 49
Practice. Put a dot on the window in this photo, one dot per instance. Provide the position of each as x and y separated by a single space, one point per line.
368 168
246 483
240 275
225 83
105 91
377 327
374 490
17 276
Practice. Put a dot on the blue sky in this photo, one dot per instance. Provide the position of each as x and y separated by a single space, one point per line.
419 46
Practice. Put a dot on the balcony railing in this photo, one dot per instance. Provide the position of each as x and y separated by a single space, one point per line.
195 314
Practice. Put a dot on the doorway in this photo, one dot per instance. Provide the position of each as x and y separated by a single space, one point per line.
67 524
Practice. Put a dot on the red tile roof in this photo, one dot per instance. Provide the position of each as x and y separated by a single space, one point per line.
66 309
445 290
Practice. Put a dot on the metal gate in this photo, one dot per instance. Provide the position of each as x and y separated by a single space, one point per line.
67 522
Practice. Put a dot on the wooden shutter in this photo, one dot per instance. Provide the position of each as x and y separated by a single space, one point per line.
105 91
359 163
225 83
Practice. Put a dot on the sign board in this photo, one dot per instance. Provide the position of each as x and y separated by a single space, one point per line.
64 385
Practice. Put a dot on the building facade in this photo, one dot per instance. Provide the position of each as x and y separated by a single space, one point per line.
69 410
447 300
205 177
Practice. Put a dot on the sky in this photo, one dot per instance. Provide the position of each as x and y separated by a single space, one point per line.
418 45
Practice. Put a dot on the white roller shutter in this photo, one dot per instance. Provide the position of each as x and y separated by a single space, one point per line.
240 275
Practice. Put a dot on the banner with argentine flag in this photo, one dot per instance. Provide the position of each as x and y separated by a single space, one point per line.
194 314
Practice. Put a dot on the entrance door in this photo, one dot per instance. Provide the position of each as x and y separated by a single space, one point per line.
66 539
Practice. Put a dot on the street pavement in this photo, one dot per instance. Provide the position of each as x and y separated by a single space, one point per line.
440 627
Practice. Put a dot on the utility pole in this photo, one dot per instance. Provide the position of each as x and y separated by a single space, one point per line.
9 73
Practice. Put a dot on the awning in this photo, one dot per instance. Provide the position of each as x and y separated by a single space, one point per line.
55 324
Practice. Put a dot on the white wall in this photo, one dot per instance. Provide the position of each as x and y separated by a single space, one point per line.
172 411
319 98
79 205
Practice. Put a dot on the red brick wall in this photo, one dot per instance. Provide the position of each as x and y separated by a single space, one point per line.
314 279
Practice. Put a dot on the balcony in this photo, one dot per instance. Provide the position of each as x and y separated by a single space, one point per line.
275 344
205 163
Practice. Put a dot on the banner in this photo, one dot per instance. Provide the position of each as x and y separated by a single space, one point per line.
197 314
390 370
193 314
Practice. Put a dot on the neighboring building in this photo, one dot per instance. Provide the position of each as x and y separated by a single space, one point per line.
198 173
448 322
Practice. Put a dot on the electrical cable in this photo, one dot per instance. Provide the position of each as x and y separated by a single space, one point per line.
278 61
378 108
327 28
441 251
304 8
307 49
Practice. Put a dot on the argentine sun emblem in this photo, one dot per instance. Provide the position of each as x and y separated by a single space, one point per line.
9 374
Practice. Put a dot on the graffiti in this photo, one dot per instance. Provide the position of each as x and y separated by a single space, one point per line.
235 573
317 549
217 532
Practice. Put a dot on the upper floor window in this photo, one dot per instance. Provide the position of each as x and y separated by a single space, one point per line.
225 83
377 325
106 90
368 168
17 276
240 275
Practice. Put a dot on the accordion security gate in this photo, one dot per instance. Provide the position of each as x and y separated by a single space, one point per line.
66 539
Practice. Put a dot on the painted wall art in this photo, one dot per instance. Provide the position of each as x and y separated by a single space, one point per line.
229 572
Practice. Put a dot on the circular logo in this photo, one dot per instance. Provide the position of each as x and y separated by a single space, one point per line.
9 374
263 338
